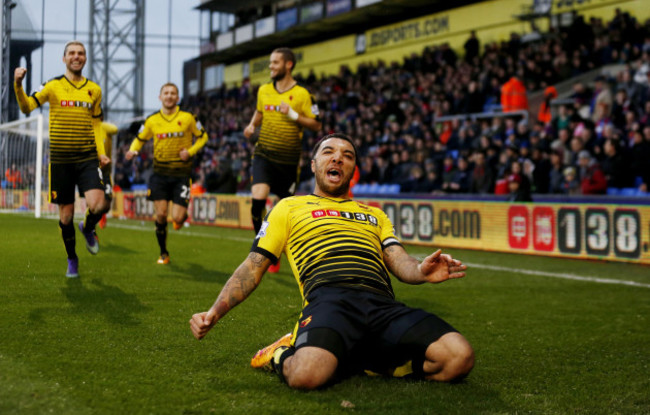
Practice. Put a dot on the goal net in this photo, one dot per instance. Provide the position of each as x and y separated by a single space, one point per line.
24 152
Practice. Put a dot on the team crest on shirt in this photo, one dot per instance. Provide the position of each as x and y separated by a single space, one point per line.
305 322
180 123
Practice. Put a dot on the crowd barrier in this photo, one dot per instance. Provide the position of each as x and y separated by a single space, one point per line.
607 228
595 228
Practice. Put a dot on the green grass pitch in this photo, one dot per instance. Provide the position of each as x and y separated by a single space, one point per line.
117 341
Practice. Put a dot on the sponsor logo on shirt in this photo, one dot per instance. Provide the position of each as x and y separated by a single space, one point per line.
76 104
356 216
170 135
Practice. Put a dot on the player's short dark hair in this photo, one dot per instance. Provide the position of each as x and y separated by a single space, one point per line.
339 136
287 55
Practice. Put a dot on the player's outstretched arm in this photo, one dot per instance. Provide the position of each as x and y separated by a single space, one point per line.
25 103
435 268
238 287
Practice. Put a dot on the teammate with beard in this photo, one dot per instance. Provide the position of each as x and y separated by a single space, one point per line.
341 252
283 109
76 147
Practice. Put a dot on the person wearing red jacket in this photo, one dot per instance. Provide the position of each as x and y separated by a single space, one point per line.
592 178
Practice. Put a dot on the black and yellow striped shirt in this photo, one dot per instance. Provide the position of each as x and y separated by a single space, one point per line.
171 134
280 139
73 108
329 242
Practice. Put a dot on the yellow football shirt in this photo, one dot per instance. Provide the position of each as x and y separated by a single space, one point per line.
74 110
280 138
171 133
334 242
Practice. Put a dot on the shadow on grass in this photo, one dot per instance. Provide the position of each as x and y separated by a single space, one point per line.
199 273
111 302
117 249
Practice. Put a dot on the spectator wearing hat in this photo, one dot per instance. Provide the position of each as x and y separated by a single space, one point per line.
517 193
592 178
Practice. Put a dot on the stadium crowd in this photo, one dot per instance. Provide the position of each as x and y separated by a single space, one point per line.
598 139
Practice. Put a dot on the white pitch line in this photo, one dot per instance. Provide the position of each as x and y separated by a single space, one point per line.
186 232
565 276
559 275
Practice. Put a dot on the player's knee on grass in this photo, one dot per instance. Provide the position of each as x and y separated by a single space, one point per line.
309 368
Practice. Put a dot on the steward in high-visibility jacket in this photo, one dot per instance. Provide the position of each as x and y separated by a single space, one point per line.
544 114
513 95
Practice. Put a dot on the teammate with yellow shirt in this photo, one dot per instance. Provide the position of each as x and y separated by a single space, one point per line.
283 109
173 132
75 146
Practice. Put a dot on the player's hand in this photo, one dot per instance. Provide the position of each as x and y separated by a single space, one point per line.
201 323
19 75
104 160
184 154
130 154
249 130
439 267
284 107
288 111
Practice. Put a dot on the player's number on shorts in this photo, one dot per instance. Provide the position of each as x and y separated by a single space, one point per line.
185 192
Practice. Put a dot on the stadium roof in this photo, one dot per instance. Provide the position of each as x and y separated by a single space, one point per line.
358 20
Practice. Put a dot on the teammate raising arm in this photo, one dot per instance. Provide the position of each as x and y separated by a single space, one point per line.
76 145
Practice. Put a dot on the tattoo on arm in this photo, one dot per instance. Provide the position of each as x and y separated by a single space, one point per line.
240 285
256 259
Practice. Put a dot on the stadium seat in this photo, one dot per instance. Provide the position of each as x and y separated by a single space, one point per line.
638 181
139 187
360 188
628 191
613 191
393 189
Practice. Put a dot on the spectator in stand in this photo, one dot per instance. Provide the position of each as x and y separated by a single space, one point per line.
570 183
615 165
544 113
471 46
517 168
592 178
640 156
581 97
601 102
12 177
556 173
513 95
482 178
516 193
459 181
541 170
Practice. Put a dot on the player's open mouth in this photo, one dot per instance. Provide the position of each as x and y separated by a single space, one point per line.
334 175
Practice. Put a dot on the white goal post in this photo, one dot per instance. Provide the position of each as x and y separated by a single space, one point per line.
23 153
